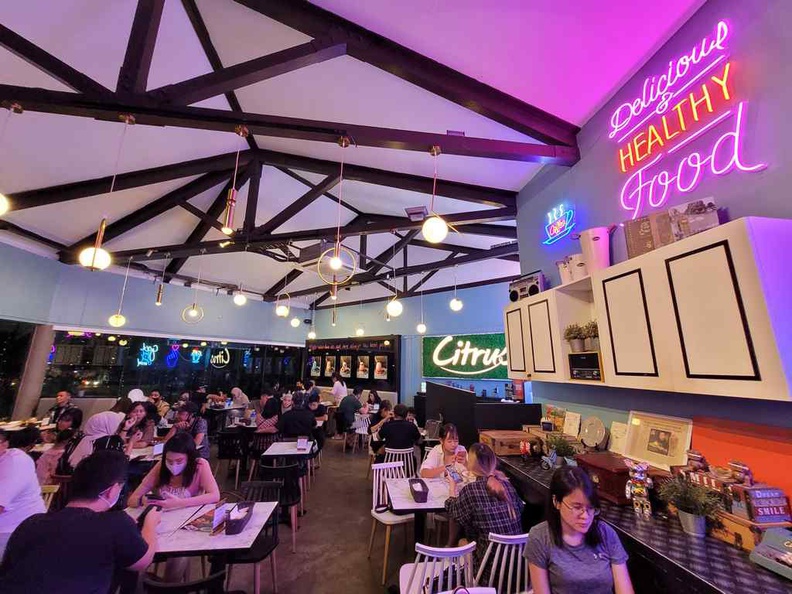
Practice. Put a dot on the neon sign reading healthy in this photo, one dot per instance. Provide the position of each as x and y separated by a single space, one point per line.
560 222
692 98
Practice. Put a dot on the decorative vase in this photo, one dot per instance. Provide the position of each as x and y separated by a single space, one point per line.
692 524
576 344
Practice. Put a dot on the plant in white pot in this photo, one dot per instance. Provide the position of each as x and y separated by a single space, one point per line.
694 504
591 332
574 335
564 450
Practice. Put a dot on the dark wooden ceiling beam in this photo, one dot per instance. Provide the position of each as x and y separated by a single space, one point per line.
133 76
452 247
305 182
280 286
49 64
420 70
298 205
21 232
149 112
197 212
201 31
388 254
251 206
125 181
250 72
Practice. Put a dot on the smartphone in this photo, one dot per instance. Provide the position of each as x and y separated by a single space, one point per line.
452 472
155 497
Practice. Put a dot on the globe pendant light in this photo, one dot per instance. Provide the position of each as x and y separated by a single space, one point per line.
421 327
228 213
5 203
194 313
394 307
117 319
434 228
311 334
239 297
282 305
295 322
455 304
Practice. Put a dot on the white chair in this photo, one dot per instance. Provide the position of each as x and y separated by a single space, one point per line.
475 590
437 564
361 427
387 470
507 563
407 456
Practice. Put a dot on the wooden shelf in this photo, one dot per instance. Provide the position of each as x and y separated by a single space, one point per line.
579 286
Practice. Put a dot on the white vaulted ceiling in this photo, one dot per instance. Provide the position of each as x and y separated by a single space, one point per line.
563 57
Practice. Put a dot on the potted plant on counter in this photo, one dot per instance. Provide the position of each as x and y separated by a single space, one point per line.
591 332
564 451
694 504
574 335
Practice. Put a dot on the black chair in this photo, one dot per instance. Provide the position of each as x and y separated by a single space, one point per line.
267 540
259 444
290 493
214 584
231 446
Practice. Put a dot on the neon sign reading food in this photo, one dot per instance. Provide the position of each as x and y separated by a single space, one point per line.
692 99
560 222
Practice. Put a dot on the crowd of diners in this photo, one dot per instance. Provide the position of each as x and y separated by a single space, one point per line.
97 543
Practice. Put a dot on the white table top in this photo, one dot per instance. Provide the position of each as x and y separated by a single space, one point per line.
174 541
144 453
288 448
19 425
402 501
42 447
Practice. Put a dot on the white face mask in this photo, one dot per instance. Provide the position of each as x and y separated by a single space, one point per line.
176 469
110 503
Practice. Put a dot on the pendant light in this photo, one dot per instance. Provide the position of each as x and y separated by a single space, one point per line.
338 264
312 331
295 322
5 203
455 304
160 290
96 257
334 293
194 313
239 297
334 317
360 331
228 213
117 319
421 327
434 228
394 306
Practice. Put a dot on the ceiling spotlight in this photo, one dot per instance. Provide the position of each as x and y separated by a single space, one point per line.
111 338
455 304
311 335
4 204
123 342
359 331
239 298
394 308
421 328
185 345
203 343
224 342
295 322
434 229
116 320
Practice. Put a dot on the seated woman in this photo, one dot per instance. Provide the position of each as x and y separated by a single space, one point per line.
187 419
488 504
136 428
446 453
373 398
378 420
101 430
181 479
47 463
267 422
573 551
71 418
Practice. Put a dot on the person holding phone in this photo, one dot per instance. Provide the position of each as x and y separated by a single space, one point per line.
447 453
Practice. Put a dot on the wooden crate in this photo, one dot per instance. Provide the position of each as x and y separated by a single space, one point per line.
543 435
504 443
740 532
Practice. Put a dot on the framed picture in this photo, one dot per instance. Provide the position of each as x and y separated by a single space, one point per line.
316 366
381 367
658 440
362 371
330 365
346 366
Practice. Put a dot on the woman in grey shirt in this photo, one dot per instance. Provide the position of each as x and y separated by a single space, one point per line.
573 551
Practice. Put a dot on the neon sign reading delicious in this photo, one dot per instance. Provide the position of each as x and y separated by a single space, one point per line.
676 110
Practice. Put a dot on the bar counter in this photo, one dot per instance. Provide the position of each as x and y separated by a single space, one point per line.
663 559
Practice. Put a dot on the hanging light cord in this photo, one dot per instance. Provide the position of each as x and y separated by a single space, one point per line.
422 312
118 154
455 280
434 185
338 210
5 124
123 289
195 296
236 168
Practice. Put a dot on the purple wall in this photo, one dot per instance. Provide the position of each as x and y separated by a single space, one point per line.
760 50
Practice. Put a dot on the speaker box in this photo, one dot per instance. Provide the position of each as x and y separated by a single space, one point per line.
527 286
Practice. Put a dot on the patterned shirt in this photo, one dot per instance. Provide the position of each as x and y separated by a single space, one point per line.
480 513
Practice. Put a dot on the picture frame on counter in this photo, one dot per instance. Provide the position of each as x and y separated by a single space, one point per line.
658 440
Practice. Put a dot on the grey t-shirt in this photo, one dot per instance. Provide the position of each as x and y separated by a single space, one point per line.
576 569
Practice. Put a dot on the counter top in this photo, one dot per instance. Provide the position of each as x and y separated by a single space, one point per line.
723 567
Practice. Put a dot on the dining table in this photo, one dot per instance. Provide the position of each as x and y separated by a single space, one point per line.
402 502
286 449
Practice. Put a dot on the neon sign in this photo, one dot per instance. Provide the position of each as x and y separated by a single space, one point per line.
147 354
196 355
481 356
220 359
684 109
560 222
172 359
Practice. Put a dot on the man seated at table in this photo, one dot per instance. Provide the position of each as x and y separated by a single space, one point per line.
187 419
350 404
319 411
399 433
156 399
78 549
62 403
298 420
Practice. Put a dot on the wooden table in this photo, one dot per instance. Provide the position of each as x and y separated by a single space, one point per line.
284 449
402 501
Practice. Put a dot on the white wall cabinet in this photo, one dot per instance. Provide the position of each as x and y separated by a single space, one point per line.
515 321
711 314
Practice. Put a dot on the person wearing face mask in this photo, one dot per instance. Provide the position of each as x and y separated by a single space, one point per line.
89 542
180 479
20 494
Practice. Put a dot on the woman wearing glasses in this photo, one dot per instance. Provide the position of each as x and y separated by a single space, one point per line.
573 551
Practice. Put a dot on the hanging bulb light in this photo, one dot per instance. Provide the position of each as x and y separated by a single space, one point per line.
123 342
5 203
111 338
282 306
312 331
333 317
117 319
421 327
194 313
455 304
359 331
228 213
239 297
96 257
311 334
394 307
434 228
295 322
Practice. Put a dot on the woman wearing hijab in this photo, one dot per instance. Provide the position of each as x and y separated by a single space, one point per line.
100 426
239 398
137 395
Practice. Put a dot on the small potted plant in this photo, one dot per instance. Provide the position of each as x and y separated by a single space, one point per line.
564 450
694 504
573 334
591 332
